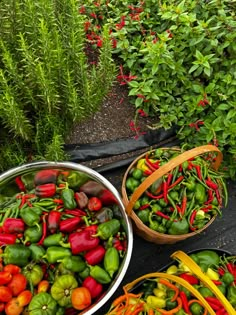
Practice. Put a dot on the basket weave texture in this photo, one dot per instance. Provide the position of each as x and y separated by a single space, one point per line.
139 227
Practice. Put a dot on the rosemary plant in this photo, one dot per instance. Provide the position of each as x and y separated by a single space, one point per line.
46 81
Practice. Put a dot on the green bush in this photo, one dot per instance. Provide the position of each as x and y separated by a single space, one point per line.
182 54
46 81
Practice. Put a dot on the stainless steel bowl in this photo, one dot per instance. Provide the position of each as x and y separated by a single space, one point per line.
9 175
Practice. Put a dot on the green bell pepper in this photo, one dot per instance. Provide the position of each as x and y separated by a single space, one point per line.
111 261
67 195
179 227
74 263
55 254
30 217
62 288
76 179
55 240
144 215
42 304
37 252
33 273
108 229
17 254
33 234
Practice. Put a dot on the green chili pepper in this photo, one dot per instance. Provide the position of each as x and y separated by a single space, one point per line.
144 215
17 254
179 227
132 183
55 240
111 261
99 274
153 224
67 196
74 263
37 252
200 193
30 217
227 278
56 253
33 234
108 229
42 304
205 291
37 210
76 179
231 295
85 273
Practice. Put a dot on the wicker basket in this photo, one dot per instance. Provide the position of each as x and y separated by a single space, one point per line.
139 227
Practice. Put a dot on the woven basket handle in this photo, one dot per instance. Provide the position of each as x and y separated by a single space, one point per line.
171 165
175 279
186 260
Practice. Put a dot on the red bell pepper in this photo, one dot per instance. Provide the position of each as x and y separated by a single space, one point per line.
94 204
13 225
107 198
45 190
81 199
70 225
54 219
95 255
95 288
45 177
83 241
7 239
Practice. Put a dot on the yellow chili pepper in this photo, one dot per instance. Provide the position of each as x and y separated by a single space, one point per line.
154 301
172 270
213 275
159 293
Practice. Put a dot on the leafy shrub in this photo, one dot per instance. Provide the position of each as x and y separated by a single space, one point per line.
182 54
46 81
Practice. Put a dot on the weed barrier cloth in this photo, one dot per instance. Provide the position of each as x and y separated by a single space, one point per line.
85 152
149 257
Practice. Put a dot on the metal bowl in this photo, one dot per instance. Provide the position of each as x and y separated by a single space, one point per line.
8 176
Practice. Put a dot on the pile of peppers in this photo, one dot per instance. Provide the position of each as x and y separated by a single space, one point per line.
65 231
161 296
183 200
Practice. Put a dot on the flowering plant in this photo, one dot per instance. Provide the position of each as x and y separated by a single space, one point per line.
181 58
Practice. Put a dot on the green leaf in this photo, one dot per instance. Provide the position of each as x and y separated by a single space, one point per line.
199 55
207 71
138 102
231 114
134 84
193 68
197 88
223 107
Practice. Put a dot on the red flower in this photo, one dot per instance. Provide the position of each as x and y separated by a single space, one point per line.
99 43
94 15
142 113
82 9
196 124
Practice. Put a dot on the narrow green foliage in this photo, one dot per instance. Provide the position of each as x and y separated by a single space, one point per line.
46 82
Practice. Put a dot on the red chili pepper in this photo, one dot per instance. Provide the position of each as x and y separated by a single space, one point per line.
95 288
44 229
163 215
214 302
221 271
150 165
216 282
153 196
165 191
54 219
169 179
94 204
46 190
190 165
83 241
184 299
198 170
178 180
221 311
69 225
184 204
189 278
7 239
20 183
147 172
45 177
210 197
230 267
95 255
191 220
211 184
76 212
13 226
58 201
144 206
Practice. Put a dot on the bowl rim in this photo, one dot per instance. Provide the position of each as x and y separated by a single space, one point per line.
28 167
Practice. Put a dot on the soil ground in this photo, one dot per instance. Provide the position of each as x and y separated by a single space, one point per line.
111 122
